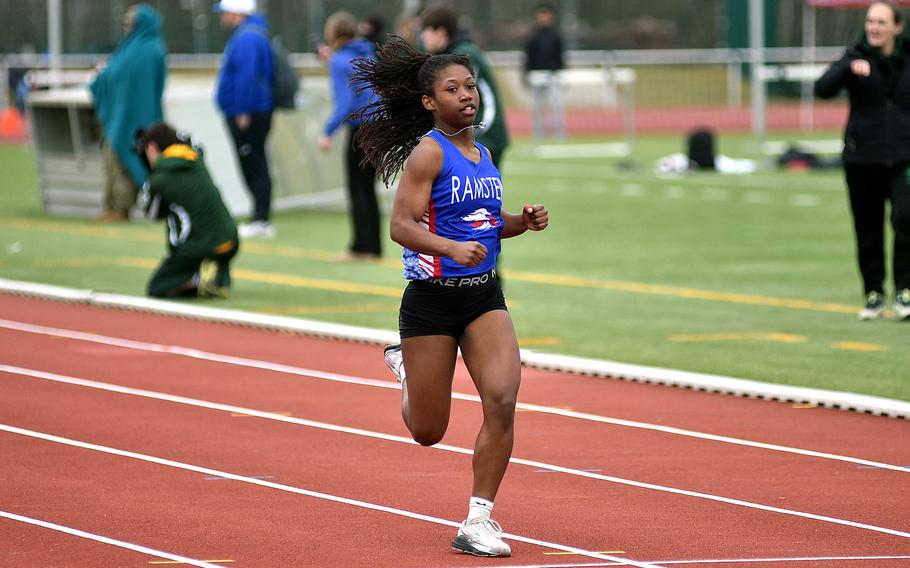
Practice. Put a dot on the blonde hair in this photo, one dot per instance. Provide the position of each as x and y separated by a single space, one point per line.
340 28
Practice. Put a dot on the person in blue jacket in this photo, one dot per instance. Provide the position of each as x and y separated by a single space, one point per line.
340 37
244 95
127 96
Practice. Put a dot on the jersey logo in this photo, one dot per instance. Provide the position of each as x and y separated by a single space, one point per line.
481 220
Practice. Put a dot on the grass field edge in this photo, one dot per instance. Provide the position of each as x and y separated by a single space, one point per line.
860 403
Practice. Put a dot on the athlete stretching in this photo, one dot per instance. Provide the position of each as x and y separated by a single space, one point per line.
448 217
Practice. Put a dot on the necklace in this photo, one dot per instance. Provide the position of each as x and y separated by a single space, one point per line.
444 133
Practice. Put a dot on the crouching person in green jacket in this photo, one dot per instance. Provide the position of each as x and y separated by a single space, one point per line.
201 235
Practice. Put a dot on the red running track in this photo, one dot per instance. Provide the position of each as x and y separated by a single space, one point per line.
328 430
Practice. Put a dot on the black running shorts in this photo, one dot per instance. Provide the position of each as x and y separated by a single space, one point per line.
446 306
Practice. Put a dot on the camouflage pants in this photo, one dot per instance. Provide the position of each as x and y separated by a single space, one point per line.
119 189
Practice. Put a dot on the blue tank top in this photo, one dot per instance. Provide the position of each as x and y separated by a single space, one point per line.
465 205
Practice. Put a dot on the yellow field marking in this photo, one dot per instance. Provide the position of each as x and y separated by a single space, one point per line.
574 553
134 262
692 293
317 283
289 280
71 262
296 252
534 341
83 230
292 252
804 405
859 346
178 562
706 337
333 309
520 276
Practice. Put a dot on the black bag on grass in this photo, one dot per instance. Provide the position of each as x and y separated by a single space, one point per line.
701 148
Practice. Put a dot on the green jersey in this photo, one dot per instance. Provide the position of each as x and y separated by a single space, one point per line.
494 136
181 190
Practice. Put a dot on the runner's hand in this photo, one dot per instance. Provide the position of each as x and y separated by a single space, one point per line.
535 217
469 253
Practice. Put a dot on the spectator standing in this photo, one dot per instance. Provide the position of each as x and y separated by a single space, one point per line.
371 28
876 74
202 236
543 61
127 96
245 97
340 31
440 34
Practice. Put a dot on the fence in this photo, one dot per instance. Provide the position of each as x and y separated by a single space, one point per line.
618 94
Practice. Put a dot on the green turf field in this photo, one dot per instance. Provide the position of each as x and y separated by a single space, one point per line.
746 276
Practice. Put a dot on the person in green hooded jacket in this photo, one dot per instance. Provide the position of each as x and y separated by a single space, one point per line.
202 236
440 34
127 96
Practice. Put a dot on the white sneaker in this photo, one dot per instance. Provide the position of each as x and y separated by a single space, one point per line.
902 305
395 361
873 307
481 537
256 229
206 287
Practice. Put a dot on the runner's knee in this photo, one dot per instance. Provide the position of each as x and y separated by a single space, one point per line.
499 408
427 436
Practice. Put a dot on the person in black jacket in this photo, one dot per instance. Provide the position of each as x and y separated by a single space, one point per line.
543 61
876 74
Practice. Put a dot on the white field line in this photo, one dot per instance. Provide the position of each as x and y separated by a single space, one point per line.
443 447
311 373
306 492
106 540
721 561
545 170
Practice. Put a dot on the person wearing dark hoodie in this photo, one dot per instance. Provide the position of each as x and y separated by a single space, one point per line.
440 34
202 237
876 74
340 37
543 61
127 95
244 95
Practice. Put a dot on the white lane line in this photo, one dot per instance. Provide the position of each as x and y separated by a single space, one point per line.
758 197
720 561
442 447
632 189
310 373
106 540
580 171
715 194
674 192
803 200
306 492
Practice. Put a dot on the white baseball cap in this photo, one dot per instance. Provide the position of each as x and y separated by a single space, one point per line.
245 7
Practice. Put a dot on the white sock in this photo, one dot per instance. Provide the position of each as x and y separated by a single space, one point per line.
479 508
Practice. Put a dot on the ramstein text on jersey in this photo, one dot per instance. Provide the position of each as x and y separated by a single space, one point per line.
476 188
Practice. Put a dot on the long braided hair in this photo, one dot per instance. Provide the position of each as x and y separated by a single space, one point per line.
393 124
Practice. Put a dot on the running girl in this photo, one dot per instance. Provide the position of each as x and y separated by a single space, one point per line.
448 216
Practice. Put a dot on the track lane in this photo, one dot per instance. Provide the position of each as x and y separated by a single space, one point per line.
320 399
660 514
820 429
679 463
35 542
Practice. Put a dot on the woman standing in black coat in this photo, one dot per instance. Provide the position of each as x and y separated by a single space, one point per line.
876 74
